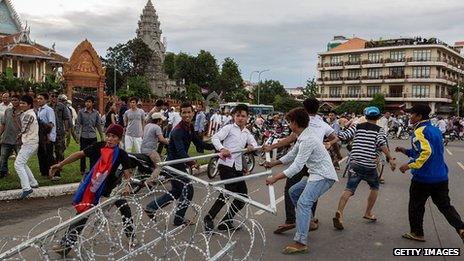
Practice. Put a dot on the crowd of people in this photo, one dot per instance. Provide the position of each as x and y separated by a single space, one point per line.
46 128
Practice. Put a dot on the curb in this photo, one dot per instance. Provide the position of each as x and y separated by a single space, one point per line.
60 190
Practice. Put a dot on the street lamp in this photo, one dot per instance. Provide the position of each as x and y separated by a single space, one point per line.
259 80
459 93
251 74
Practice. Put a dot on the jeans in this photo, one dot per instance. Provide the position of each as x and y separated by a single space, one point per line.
418 195
24 172
84 143
130 142
289 207
357 173
226 172
303 195
6 151
181 189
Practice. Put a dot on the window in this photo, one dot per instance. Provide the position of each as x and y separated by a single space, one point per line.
322 90
421 72
335 91
335 75
397 56
374 57
371 90
354 58
422 55
437 91
354 74
420 91
397 72
373 73
335 60
353 91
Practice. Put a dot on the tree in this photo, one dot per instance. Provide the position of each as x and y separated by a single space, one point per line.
206 70
170 65
239 95
285 103
310 90
268 90
378 101
130 59
193 93
350 107
137 86
230 79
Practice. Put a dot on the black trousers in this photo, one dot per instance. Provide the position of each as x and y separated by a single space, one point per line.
290 216
46 159
75 229
84 143
226 172
418 195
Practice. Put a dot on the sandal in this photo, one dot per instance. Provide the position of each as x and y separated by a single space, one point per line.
462 236
412 236
293 250
337 221
282 228
373 218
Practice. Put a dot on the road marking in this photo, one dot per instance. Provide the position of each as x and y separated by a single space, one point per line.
260 212
343 160
461 165
449 152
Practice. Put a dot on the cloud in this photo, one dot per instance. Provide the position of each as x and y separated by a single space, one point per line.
283 36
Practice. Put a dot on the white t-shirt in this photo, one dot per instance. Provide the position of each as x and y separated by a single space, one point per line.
174 118
319 127
442 125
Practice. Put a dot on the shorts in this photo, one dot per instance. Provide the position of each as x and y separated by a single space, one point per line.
356 173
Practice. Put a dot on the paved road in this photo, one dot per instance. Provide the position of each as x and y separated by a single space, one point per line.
359 241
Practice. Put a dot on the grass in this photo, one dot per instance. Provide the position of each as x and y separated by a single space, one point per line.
70 173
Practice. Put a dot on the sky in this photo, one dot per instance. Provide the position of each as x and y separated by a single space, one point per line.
284 37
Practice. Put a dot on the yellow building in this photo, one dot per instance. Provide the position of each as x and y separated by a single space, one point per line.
405 71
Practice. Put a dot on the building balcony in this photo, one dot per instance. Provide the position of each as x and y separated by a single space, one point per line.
394 97
388 79
388 62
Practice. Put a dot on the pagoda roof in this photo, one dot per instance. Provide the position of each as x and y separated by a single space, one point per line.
20 44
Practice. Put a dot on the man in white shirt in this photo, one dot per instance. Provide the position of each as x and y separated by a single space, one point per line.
308 151
319 129
6 104
385 122
231 138
215 122
441 124
174 118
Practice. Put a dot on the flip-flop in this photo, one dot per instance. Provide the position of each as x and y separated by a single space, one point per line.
290 250
338 224
372 219
282 228
413 237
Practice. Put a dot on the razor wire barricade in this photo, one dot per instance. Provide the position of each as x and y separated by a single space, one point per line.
104 235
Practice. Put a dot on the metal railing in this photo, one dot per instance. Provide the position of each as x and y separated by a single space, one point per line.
271 208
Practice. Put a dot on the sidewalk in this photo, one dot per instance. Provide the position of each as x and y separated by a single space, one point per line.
59 190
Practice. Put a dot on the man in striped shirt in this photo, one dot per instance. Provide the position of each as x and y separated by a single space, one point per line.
368 138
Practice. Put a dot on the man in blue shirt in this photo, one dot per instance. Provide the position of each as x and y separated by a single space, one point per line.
181 188
429 174
47 134
200 122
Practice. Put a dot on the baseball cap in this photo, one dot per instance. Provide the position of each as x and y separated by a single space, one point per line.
371 111
420 108
158 115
